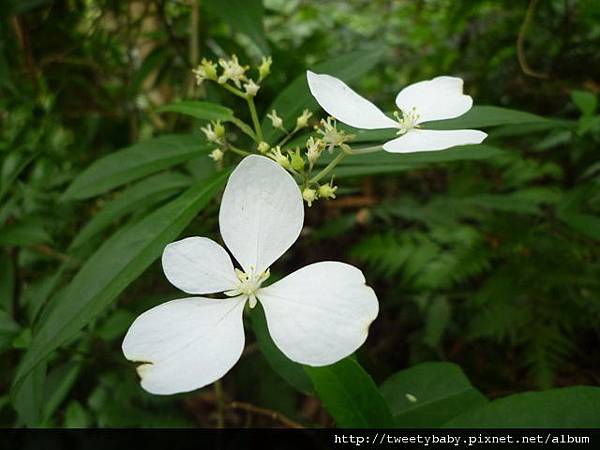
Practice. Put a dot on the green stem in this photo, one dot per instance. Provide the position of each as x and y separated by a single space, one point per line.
233 90
239 151
244 127
329 167
287 137
365 150
220 404
254 115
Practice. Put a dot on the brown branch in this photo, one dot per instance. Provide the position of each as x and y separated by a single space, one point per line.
49 251
23 39
273 415
527 70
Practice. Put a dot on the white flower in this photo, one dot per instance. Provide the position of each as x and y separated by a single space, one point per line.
232 70
317 315
437 99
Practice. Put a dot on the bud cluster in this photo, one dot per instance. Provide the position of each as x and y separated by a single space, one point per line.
233 76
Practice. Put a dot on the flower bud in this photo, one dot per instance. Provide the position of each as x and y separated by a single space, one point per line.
281 159
327 190
251 88
276 121
265 68
216 155
309 195
207 70
263 147
219 129
302 120
297 161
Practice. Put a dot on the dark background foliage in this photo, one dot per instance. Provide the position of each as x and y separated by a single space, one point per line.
491 263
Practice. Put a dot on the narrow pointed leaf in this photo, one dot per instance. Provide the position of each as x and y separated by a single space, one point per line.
135 162
118 262
141 195
199 110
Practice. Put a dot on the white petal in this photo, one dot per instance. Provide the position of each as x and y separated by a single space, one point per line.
261 212
186 344
320 313
428 140
198 265
438 99
341 102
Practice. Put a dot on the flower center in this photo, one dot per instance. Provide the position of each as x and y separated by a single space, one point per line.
407 120
248 284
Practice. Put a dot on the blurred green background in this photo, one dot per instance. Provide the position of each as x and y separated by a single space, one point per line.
490 262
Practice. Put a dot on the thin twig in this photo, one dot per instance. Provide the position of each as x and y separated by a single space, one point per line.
274 415
49 251
527 70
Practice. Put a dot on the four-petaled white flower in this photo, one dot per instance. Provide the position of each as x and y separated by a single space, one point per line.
317 315
437 99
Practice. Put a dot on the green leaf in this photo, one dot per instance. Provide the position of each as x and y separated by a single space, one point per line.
139 196
59 383
429 394
9 329
438 317
25 233
199 110
350 395
7 283
76 416
296 96
570 407
118 262
135 162
486 116
290 371
28 397
243 16
586 224
115 325
384 162
585 101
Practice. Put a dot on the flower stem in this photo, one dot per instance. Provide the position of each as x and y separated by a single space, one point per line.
239 151
244 127
233 90
287 137
365 150
341 155
254 115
